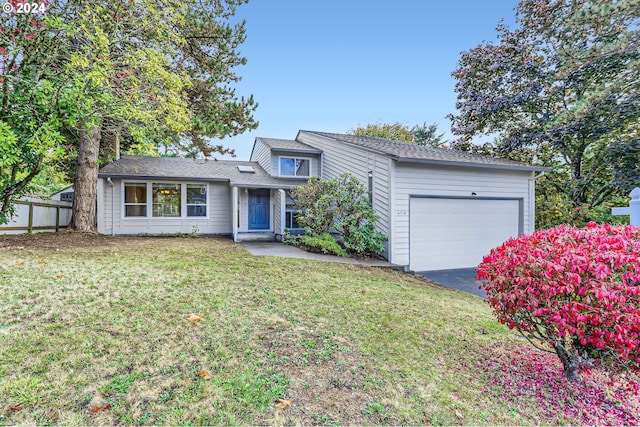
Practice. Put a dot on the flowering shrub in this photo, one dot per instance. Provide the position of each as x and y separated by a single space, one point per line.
575 290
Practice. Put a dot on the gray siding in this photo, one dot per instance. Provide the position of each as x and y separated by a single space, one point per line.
217 222
262 154
339 158
431 180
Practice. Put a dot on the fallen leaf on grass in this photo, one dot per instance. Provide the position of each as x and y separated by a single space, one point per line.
283 403
19 262
203 374
42 261
60 276
193 318
15 407
100 409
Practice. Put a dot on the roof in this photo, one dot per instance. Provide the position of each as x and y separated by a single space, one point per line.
411 153
174 168
288 145
67 188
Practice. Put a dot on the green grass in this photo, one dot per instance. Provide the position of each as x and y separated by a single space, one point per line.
345 344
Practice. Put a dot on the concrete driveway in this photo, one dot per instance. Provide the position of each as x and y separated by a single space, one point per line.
463 279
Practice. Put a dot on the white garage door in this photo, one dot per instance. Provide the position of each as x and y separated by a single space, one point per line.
456 233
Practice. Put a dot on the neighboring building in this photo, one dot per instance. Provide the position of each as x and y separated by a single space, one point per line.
64 195
439 208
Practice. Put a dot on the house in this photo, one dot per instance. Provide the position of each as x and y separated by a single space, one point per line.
439 208
64 195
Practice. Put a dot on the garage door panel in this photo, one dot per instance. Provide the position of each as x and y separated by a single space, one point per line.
457 233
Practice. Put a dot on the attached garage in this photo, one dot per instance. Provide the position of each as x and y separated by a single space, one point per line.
456 232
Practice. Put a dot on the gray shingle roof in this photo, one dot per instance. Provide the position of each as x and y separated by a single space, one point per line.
143 167
403 152
287 145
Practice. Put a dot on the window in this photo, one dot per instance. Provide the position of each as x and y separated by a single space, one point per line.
135 199
196 200
290 166
67 197
166 200
291 211
290 219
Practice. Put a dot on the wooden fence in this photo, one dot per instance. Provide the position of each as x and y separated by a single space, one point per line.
39 216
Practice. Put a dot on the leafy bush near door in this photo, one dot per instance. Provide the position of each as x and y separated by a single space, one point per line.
341 206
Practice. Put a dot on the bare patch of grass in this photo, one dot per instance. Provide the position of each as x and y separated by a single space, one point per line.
100 335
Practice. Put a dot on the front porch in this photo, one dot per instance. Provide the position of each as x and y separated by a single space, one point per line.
258 213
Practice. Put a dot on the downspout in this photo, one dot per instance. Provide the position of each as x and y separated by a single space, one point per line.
112 211
532 199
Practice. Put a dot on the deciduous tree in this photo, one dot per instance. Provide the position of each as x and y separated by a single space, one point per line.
426 135
30 82
568 78
142 72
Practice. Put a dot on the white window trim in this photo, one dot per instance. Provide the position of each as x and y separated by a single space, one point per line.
296 158
184 199
149 204
123 205
293 211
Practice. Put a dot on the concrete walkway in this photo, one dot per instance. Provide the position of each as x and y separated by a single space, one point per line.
287 251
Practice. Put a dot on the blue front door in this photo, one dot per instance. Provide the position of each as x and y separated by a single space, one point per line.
258 209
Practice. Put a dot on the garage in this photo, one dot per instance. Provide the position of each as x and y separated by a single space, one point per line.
448 233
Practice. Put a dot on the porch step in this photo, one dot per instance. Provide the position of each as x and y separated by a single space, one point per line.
256 237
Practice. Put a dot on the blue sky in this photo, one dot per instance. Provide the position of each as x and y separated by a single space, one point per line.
332 65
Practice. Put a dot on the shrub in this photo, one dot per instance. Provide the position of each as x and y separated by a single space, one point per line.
360 236
324 243
575 290
339 205
319 204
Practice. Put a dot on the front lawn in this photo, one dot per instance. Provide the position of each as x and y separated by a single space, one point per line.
100 331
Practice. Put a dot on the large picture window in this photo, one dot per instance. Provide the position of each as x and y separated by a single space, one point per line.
291 166
165 200
135 199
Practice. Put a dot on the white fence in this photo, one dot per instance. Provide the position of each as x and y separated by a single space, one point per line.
36 215
633 210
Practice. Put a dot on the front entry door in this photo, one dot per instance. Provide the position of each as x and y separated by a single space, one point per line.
259 209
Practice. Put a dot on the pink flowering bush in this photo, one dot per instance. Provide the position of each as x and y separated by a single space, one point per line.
575 291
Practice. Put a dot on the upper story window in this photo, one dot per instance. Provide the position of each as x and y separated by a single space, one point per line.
295 166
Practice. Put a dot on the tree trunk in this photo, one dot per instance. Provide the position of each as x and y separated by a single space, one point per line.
86 184
569 363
